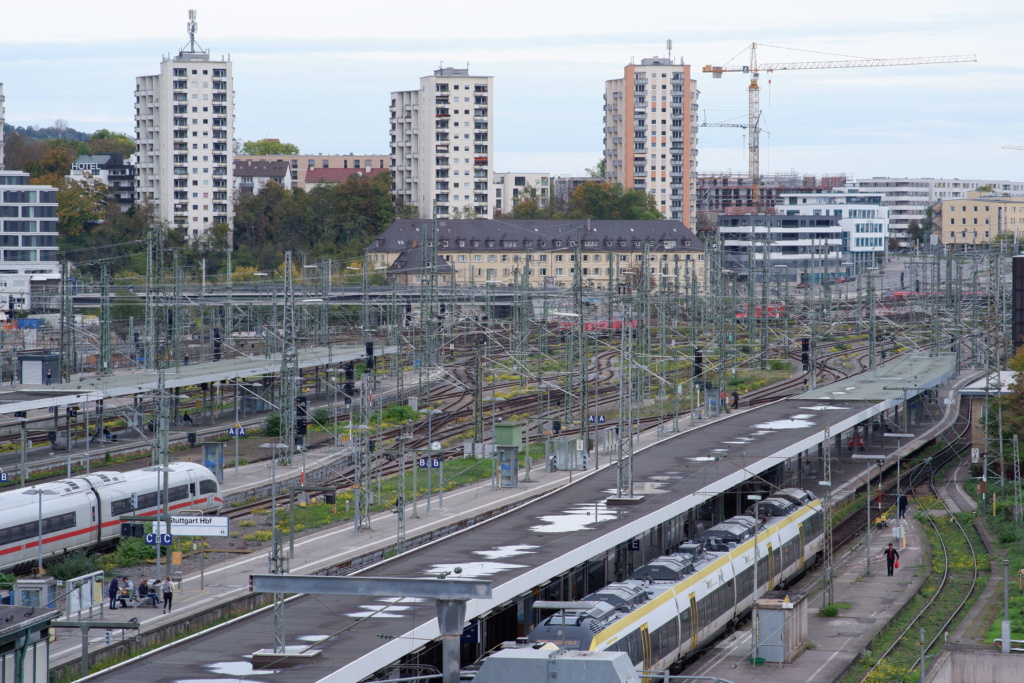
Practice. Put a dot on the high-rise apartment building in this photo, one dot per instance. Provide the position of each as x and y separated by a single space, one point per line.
184 129
442 142
1 126
650 134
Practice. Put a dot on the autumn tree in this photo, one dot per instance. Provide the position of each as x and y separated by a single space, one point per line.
79 203
268 146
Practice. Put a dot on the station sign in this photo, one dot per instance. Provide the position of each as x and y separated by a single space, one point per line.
158 539
194 525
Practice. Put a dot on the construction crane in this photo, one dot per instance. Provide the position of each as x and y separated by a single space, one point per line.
754 93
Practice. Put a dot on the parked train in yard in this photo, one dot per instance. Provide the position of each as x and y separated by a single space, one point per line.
83 513
676 604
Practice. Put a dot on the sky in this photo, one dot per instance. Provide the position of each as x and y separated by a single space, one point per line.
319 74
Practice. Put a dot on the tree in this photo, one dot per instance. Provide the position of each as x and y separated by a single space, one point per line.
104 141
610 201
916 232
79 203
597 170
268 146
527 205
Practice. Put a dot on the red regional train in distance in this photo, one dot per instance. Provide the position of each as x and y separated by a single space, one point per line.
760 311
906 295
600 325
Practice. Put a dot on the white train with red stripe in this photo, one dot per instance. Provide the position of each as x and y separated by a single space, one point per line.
84 512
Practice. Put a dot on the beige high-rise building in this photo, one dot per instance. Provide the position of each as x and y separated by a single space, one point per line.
184 129
650 134
442 142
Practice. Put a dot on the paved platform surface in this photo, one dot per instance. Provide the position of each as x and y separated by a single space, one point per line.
836 641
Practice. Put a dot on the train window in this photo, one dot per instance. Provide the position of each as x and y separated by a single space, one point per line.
178 493
24 532
121 507
207 486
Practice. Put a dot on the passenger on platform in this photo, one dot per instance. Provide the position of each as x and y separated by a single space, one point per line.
168 592
735 399
147 593
902 505
112 593
186 359
891 556
49 377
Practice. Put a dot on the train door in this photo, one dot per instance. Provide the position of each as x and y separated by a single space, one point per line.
802 542
693 622
645 649
771 568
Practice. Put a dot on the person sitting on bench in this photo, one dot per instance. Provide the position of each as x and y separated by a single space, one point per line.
147 593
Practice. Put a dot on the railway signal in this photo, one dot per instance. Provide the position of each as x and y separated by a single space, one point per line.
805 353
698 363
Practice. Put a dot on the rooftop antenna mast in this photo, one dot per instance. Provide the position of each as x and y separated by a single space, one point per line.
668 45
192 27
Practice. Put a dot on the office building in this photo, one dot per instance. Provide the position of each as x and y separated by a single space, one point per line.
978 219
808 236
650 134
909 199
28 239
110 169
442 139
184 128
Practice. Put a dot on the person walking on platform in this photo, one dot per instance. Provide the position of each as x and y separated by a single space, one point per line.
891 557
168 592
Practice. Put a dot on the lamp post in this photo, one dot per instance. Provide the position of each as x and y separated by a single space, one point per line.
753 620
39 493
899 490
867 482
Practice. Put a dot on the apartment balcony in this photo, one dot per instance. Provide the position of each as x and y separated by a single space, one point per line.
479 161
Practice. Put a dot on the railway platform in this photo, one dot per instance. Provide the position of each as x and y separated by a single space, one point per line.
835 642
708 463
226 581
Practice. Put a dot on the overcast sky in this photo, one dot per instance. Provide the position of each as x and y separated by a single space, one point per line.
319 74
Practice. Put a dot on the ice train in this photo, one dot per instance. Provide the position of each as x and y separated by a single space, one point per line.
84 512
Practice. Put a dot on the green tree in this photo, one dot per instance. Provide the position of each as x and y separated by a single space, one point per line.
597 170
268 146
610 201
916 232
104 141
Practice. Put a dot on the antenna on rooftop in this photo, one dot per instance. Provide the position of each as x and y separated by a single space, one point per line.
668 44
193 25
